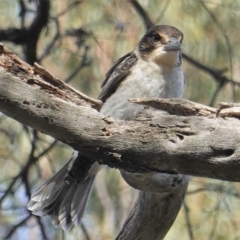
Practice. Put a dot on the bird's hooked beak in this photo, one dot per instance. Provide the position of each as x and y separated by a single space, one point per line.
172 45
169 54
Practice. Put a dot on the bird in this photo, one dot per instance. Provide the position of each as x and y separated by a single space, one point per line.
152 69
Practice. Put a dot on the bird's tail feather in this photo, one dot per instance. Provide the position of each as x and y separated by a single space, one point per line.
64 201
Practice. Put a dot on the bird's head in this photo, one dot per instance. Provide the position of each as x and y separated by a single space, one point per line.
162 45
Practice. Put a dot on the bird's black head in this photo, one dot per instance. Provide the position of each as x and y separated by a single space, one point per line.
161 44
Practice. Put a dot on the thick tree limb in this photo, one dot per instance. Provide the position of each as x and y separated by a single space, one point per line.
192 141
193 145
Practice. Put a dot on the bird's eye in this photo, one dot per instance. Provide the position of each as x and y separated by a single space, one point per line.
155 37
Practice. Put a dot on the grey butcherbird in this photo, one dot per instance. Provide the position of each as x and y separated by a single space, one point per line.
152 69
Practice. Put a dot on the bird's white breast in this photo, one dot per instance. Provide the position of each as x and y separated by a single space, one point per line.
146 80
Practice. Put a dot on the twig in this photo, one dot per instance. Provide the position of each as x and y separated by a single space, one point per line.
49 47
69 7
146 20
189 225
81 65
15 227
165 7
22 12
84 230
227 40
42 228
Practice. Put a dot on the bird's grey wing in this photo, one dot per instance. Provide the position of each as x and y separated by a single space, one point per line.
117 73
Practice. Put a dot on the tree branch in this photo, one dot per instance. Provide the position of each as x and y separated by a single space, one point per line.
186 140
28 37
192 144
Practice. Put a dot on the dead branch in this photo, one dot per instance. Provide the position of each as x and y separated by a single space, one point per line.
186 138
191 144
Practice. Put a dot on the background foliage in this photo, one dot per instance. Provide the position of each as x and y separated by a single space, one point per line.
79 44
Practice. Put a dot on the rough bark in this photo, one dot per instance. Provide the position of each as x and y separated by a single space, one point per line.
188 138
198 143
